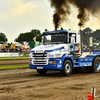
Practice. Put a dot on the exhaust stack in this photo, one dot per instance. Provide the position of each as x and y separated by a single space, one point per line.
80 32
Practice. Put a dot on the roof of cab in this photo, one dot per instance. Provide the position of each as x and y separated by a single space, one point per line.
58 31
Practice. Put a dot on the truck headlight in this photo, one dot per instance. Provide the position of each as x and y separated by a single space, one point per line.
52 62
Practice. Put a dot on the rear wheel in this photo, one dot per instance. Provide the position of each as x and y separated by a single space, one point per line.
95 67
41 71
67 68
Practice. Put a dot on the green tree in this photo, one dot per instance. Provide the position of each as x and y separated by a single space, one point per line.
28 36
96 36
86 34
3 37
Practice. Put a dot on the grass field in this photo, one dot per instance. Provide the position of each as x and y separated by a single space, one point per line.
13 58
14 66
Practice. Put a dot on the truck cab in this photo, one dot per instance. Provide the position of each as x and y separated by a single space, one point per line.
59 51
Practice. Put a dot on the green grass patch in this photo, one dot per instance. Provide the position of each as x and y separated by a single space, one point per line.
14 58
14 66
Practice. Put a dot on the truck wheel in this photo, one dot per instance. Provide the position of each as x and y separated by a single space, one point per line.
95 67
67 68
41 71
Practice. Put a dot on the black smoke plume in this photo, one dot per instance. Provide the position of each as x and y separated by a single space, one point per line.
85 9
62 10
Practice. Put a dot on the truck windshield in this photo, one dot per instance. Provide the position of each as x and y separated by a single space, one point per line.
54 38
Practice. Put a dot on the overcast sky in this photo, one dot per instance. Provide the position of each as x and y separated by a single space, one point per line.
20 16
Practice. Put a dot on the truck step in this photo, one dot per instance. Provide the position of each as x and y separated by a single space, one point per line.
75 65
75 62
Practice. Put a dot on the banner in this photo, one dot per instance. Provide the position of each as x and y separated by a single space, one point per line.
91 42
9 54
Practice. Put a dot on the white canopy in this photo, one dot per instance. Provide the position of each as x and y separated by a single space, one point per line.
0 45
18 44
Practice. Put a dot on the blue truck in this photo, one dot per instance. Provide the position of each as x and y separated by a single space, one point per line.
61 50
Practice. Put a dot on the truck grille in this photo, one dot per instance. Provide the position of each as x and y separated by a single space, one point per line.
40 59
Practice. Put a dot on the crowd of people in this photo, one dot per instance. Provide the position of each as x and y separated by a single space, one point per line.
21 51
10 50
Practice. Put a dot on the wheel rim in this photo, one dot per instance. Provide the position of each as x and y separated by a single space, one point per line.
67 68
98 65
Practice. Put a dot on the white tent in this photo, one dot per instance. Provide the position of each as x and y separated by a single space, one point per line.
18 44
0 45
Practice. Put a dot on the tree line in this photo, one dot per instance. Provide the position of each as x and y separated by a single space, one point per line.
87 33
3 37
28 36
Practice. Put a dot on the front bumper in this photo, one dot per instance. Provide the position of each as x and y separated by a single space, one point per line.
57 66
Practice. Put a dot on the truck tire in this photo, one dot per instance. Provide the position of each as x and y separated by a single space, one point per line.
41 71
67 68
95 67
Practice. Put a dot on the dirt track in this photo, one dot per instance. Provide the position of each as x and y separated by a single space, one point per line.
13 62
27 84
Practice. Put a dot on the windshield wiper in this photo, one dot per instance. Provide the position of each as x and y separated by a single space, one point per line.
56 42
